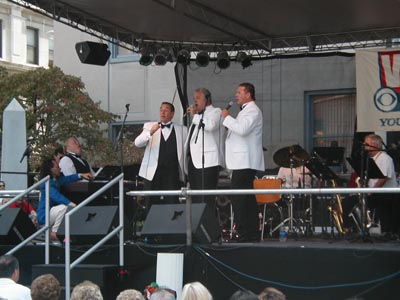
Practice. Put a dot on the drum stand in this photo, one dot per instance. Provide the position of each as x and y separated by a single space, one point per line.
290 219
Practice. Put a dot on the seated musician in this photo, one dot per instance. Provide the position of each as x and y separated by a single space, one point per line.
385 205
58 202
72 162
293 177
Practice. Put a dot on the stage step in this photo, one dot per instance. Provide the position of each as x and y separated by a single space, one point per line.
110 278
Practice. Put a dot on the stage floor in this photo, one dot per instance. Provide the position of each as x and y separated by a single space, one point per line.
306 268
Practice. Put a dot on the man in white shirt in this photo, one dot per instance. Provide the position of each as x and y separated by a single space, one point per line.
72 162
9 276
385 204
162 163
244 156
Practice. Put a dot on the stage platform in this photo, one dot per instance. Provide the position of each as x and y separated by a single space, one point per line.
305 268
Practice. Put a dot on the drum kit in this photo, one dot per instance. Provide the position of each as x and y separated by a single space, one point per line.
301 171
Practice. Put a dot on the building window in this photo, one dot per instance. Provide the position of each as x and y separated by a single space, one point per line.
51 51
121 54
1 38
331 119
32 45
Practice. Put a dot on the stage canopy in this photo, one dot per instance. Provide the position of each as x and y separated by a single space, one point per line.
265 26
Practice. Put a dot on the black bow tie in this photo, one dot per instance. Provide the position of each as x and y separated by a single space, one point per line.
242 106
166 125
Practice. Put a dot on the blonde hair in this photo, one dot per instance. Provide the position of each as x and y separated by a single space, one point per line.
130 294
86 290
195 291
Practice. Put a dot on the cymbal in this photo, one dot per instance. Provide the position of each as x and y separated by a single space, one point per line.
292 156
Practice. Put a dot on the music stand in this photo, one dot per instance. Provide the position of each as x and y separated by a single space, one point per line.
331 156
323 173
371 170
320 170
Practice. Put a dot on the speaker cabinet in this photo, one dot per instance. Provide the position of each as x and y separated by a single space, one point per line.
15 226
90 224
92 53
167 223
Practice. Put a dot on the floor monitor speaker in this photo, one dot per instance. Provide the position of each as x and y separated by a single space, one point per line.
15 226
167 223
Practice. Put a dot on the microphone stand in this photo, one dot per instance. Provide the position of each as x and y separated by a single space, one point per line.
201 126
120 139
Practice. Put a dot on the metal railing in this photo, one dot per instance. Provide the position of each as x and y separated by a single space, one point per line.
31 191
119 229
186 194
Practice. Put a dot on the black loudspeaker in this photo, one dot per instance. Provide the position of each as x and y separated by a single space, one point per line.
167 223
92 53
90 224
15 226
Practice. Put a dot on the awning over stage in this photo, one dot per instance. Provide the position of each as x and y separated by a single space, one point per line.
252 24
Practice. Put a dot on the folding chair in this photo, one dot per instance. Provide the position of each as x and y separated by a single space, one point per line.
267 183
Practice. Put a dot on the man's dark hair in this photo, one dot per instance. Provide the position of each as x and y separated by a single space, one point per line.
45 168
58 150
171 106
249 88
8 264
243 295
45 287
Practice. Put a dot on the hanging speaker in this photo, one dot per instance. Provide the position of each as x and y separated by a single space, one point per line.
92 53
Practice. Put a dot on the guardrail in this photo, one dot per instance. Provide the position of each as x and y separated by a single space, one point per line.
120 229
186 193
20 194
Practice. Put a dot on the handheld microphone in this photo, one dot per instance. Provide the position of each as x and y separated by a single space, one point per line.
229 105
127 107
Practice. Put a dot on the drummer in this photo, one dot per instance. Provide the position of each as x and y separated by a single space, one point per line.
292 170
293 177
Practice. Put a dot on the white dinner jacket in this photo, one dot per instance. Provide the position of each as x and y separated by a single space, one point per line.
243 146
152 143
214 140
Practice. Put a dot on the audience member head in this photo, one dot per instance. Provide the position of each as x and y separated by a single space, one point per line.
50 167
130 294
73 145
163 294
9 267
2 185
243 295
86 290
195 291
270 293
45 287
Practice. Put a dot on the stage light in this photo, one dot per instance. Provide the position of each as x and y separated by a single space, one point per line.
223 61
183 57
146 58
160 59
244 59
202 59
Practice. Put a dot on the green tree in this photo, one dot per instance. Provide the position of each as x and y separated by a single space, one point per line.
58 107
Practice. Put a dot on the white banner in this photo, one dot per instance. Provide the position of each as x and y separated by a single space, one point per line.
378 90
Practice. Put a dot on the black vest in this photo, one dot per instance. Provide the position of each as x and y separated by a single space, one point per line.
168 155
80 168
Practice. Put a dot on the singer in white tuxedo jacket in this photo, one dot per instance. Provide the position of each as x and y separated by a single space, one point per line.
206 120
162 164
244 156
